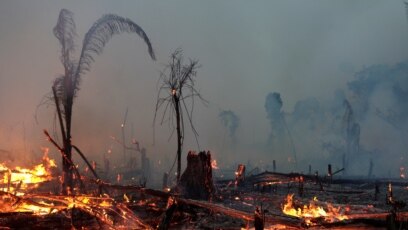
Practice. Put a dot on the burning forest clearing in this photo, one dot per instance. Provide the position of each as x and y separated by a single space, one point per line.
207 194
266 200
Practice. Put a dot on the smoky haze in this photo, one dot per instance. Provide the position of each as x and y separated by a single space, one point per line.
303 50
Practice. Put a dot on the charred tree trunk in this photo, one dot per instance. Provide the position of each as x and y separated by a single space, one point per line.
196 181
67 182
179 137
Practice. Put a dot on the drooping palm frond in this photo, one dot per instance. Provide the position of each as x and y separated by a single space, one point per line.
65 86
99 34
65 32
94 41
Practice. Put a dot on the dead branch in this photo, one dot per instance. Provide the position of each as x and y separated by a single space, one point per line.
50 139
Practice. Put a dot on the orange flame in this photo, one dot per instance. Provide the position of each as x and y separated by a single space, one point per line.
19 178
16 183
308 212
46 204
214 164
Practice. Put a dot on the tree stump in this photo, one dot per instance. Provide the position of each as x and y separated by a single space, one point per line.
196 181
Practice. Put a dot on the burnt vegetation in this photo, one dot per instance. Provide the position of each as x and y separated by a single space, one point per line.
176 87
206 195
66 87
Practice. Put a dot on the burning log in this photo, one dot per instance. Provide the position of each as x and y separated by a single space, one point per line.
312 211
240 174
196 182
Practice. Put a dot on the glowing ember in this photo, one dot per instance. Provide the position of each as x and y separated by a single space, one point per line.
214 164
308 212
402 172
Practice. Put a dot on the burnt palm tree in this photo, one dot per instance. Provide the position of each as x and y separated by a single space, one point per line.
178 84
65 87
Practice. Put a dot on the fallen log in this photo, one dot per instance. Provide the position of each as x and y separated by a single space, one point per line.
263 177
286 220
375 215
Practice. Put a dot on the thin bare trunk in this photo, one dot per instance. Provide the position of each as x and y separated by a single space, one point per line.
123 137
179 137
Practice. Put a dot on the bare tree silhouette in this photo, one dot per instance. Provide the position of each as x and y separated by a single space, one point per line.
177 84
351 134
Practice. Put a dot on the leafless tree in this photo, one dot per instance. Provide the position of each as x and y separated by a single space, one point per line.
66 86
176 84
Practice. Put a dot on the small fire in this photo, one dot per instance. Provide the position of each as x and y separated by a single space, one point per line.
214 164
308 212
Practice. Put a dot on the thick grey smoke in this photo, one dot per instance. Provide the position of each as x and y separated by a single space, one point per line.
382 90
343 125
378 96
307 111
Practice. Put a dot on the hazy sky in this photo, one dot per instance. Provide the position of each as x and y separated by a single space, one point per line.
246 48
